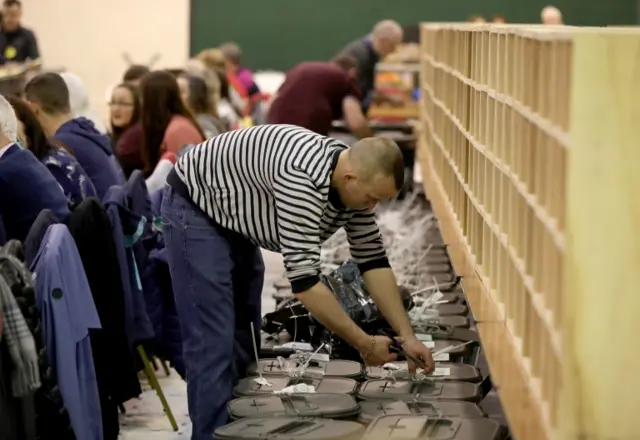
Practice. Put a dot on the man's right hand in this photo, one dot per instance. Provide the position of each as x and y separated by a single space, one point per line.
375 351
324 307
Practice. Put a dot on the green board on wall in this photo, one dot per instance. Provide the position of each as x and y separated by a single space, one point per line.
278 34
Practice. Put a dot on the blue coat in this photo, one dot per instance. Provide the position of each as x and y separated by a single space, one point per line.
68 314
127 228
155 277
94 153
26 188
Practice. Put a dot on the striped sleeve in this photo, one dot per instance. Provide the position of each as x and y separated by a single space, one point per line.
365 241
299 207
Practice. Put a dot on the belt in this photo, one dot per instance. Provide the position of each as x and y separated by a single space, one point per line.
178 185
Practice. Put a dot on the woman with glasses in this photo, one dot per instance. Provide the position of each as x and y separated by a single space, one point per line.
126 131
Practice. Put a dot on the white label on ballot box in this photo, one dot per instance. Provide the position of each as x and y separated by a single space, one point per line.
429 344
320 357
424 337
440 371
444 357
302 346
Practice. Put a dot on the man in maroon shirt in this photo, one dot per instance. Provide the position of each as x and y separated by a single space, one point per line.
316 93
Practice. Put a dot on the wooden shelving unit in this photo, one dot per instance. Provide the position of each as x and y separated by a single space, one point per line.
494 147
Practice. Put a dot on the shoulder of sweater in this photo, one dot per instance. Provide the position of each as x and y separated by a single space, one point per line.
179 123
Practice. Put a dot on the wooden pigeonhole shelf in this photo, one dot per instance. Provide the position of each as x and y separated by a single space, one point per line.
494 149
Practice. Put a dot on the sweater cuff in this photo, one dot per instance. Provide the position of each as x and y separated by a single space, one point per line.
379 263
302 284
169 156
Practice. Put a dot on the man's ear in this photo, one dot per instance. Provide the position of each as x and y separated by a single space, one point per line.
349 176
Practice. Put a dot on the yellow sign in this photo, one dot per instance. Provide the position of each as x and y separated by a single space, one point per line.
10 52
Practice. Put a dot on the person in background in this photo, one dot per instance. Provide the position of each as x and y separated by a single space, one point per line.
26 186
247 87
79 101
368 51
134 74
315 93
233 56
125 127
48 97
212 84
498 19
17 44
124 110
195 95
73 180
476 19
215 59
167 124
229 116
551 15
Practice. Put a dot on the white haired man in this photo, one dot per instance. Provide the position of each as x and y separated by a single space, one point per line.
369 50
26 185
551 15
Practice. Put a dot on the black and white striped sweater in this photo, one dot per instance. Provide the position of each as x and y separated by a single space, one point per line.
271 183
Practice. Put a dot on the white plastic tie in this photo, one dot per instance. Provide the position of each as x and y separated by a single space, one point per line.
259 380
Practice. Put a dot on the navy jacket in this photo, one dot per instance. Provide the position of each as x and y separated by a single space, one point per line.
94 153
127 228
155 277
26 188
69 317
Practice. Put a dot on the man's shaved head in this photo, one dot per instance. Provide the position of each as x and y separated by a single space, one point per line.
551 15
371 171
387 29
378 156
386 35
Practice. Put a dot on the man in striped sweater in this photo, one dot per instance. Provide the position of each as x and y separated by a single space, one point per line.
286 189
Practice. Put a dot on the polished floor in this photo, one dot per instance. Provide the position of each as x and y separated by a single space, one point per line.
144 418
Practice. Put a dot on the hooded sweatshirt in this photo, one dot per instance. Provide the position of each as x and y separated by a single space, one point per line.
93 151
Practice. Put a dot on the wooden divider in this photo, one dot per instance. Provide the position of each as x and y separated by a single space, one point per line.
494 150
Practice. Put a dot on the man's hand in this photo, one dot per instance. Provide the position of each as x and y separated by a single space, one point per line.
414 347
375 351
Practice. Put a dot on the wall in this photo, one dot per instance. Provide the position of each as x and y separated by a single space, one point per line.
277 34
88 37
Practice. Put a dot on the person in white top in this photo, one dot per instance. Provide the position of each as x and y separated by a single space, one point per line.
79 101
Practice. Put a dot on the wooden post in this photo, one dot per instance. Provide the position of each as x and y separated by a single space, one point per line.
601 392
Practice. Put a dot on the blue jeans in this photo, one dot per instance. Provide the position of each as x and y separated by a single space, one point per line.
217 278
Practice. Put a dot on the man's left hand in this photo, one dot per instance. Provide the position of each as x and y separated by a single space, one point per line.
414 347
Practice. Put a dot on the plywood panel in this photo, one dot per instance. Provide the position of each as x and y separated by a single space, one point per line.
497 120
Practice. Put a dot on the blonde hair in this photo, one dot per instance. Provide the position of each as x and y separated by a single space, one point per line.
213 58
197 67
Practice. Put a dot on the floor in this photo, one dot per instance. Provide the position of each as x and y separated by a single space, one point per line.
144 418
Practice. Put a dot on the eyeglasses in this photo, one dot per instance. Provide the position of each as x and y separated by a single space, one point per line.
120 104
